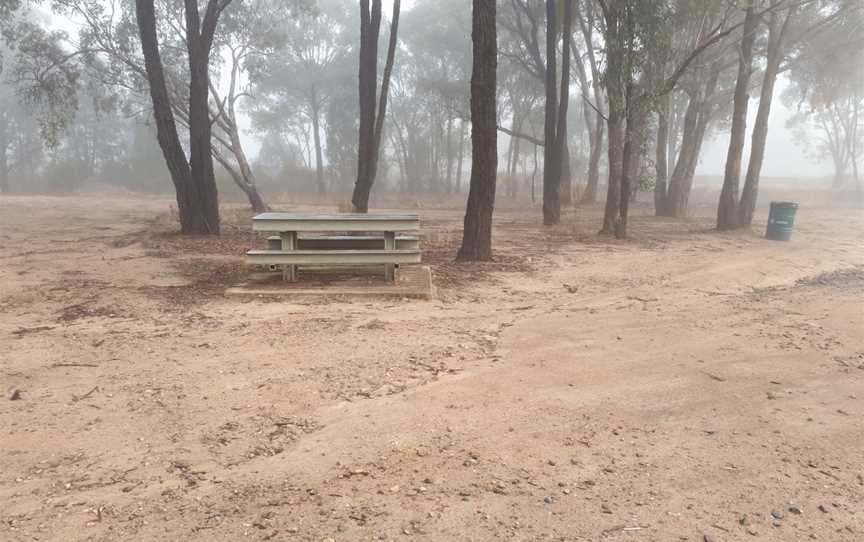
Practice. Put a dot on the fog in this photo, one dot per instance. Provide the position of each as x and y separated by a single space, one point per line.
78 112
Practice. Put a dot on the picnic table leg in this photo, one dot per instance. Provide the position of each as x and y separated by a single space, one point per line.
389 244
289 242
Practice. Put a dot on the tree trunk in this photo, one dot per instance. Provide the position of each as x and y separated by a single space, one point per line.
517 142
200 128
534 176
615 125
566 194
370 25
661 167
316 137
460 156
749 194
853 151
197 199
381 113
4 158
551 151
696 120
448 144
727 208
508 179
634 136
372 122
586 23
594 155
250 190
246 180
477 233
566 175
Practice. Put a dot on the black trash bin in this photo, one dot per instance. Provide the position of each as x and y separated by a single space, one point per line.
781 220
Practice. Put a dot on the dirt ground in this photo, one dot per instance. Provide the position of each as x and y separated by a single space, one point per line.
684 385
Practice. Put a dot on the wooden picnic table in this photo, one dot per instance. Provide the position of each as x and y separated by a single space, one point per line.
383 247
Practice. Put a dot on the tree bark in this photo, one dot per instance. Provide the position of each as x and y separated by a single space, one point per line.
514 172
199 40
477 233
551 151
251 192
4 157
696 120
586 23
372 121
594 155
661 167
460 156
448 144
381 113
370 25
319 156
727 208
194 183
774 55
246 181
634 136
615 89
566 194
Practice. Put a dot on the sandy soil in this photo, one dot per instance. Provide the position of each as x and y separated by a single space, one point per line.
683 385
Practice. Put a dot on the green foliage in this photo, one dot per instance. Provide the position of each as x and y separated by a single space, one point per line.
39 73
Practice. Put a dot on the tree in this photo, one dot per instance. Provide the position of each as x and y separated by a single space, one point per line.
301 76
194 180
109 44
477 233
522 22
778 25
700 110
38 83
727 208
684 116
372 120
551 156
637 44
827 89
586 18
555 128
250 33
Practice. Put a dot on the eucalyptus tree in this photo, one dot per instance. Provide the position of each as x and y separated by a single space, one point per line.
779 23
477 231
637 40
435 68
109 43
373 105
685 115
39 79
303 73
727 208
827 92
525 26
194 179
589 76
555 126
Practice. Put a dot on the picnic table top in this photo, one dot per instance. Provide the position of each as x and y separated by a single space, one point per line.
299 222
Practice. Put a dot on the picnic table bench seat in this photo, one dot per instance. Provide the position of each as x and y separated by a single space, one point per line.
332 257
345 242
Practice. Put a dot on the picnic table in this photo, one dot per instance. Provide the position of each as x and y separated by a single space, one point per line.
339 239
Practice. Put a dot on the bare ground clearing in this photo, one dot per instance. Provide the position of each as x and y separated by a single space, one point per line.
678 385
